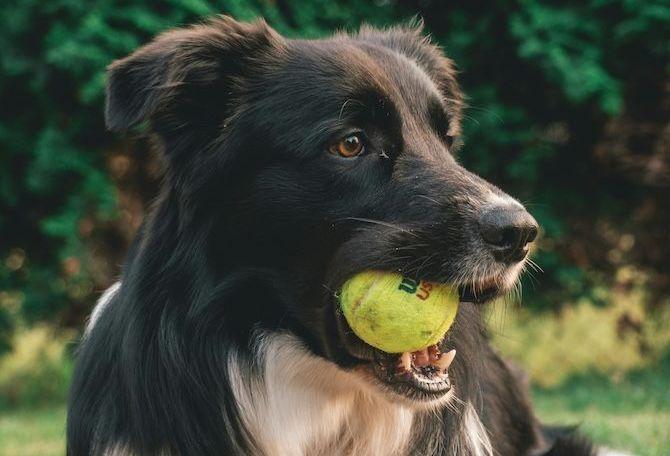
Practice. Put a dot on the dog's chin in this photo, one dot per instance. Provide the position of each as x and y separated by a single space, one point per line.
413 391
418 379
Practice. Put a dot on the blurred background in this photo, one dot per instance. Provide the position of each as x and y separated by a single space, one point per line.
569 110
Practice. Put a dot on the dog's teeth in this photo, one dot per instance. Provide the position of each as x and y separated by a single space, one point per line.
405 363
421 358
445 360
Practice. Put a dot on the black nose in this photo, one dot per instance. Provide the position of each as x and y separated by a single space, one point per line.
508 230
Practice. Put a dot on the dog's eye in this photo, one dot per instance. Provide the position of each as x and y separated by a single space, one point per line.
348 147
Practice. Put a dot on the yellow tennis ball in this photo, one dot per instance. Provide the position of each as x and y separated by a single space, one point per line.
396 314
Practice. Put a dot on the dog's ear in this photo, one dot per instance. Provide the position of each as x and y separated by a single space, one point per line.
190 69
411 41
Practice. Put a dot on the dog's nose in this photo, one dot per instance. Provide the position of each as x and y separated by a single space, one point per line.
508 230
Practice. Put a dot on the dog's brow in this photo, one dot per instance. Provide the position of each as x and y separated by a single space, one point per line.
369 101
346 102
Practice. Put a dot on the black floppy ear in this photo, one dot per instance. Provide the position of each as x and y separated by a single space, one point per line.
183 68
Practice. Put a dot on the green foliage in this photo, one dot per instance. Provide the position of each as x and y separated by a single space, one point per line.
542 79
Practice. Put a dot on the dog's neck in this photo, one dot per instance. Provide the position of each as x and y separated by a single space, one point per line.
302 404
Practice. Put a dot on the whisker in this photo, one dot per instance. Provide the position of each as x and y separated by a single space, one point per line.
535 266
382 223
487 111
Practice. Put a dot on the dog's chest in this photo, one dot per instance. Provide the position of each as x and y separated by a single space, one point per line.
305 406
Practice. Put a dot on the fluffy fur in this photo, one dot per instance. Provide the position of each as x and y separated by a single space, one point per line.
224 336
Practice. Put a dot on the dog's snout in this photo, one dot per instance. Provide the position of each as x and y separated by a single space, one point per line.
508 230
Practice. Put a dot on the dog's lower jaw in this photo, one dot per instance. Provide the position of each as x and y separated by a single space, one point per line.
303 404
416 403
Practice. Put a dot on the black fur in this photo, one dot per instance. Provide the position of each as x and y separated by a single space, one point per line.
257 224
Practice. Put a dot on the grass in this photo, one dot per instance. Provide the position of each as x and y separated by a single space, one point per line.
588 373
632 414
33 432
582 337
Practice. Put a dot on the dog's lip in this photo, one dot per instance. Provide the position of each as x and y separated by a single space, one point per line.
480 292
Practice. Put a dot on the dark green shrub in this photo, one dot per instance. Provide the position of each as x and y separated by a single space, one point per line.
548 86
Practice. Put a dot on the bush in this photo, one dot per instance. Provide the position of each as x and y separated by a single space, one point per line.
567 109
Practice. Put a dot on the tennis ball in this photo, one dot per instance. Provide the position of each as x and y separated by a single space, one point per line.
396 314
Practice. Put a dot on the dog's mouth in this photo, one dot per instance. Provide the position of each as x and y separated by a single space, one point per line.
421 375
480 291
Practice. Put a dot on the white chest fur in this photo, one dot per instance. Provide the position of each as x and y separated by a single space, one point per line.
306 405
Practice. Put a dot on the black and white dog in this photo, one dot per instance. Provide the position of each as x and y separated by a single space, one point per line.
291 165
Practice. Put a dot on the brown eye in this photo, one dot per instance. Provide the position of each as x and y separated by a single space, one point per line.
348 147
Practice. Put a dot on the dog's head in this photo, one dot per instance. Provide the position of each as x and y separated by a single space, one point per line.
312 160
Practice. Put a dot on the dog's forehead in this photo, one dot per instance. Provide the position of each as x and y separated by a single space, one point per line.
339 69
412 87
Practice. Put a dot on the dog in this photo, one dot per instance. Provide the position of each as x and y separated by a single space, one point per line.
290 166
